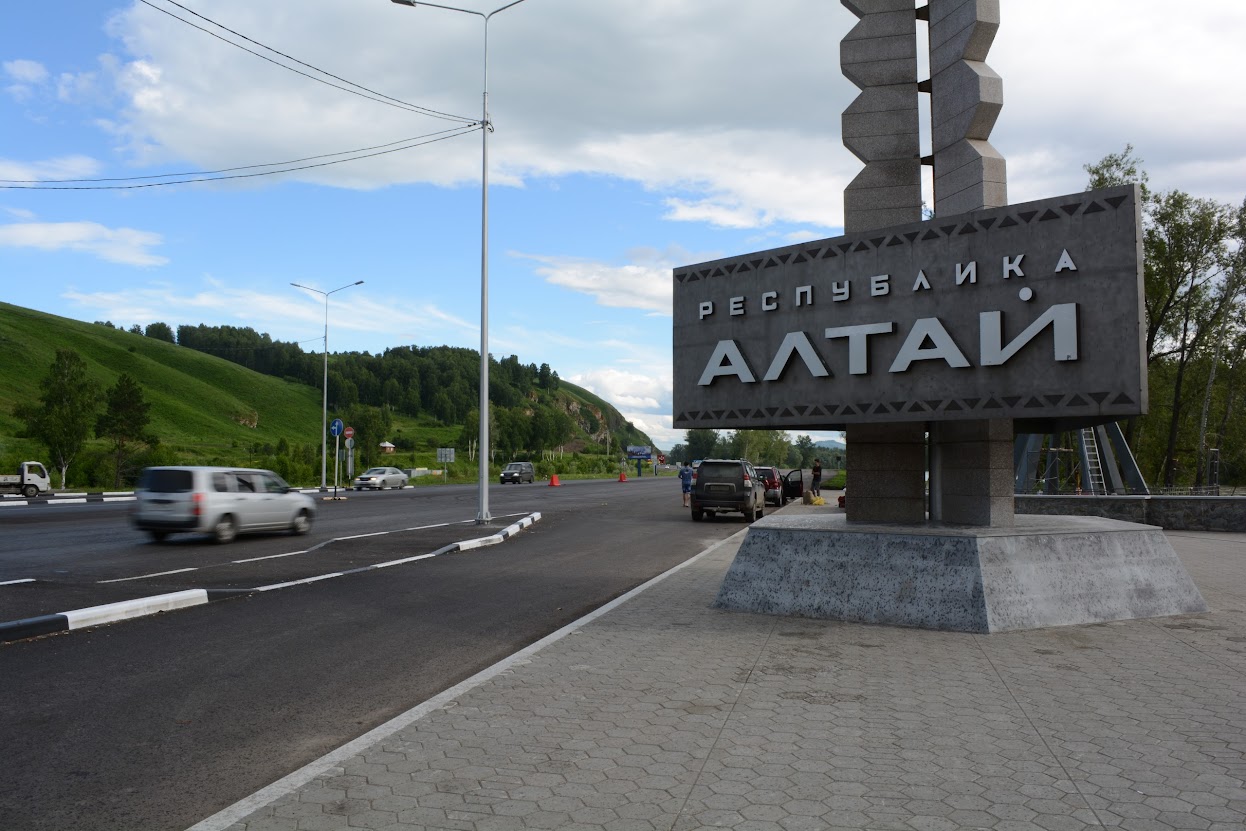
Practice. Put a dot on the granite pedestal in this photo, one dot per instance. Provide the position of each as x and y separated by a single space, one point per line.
1043 571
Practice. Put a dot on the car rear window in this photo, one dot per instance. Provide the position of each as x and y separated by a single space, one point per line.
720 472
167 481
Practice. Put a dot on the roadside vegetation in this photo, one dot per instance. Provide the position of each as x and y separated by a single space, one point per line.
203 408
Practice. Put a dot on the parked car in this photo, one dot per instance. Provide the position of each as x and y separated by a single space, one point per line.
381 478
727 485
772 485
518 472
221 501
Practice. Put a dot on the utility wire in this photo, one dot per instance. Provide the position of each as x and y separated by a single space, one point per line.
232 169
459 132
372 95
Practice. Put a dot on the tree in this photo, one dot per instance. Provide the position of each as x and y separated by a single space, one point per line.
1190 289
807 449
1119 169
700 443
123 422
159 331
62 419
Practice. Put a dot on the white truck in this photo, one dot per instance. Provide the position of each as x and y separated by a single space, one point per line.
30 481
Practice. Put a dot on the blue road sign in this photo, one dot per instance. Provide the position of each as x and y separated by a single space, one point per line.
336 427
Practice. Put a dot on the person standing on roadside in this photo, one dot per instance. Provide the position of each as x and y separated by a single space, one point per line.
816 487
685 480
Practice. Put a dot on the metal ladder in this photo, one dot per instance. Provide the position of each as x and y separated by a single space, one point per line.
1094 470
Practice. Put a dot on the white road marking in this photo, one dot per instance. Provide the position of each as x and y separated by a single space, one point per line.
145 576
15 582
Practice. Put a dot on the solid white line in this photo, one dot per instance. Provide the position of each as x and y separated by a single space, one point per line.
362 536
299 582
15 582
65 501
268 557
436 553
112 612
120 498
16 502
239 810
145 576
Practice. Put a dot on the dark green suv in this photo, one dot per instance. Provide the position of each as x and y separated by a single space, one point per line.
727 486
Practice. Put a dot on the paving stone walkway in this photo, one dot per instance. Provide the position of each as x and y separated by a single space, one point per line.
666 715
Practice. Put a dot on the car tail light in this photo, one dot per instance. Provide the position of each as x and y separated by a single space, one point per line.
748 483
196 504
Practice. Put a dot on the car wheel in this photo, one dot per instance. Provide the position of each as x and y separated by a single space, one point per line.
697 515
30 491
225 530
750 513
157 536
761 509
302 522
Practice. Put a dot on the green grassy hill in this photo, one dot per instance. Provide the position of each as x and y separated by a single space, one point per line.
205 409
200 405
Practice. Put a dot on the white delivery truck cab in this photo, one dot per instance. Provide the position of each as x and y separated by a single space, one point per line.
30 481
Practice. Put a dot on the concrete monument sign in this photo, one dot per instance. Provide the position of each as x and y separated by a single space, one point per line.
1031 312
930 343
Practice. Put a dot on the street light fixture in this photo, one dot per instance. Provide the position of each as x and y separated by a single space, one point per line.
324 420
482 516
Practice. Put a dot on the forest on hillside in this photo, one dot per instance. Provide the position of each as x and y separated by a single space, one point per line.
438 382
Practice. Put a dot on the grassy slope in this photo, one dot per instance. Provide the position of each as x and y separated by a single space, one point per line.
196 398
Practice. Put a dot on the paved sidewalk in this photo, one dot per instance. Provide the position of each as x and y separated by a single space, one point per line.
663 714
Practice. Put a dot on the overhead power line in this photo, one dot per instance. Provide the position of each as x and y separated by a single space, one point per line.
370 94
212 176
199 173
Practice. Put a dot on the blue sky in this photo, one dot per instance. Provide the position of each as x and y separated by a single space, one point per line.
631 137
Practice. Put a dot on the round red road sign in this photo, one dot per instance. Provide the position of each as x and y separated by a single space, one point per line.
349 432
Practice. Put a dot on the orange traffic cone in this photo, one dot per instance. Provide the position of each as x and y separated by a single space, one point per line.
622 476
553 481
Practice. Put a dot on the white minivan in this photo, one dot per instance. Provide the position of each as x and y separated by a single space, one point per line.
221 501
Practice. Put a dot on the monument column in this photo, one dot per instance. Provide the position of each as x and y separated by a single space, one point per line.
881 128
971 464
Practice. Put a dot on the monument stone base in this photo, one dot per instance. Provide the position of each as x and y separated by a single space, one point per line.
1043 571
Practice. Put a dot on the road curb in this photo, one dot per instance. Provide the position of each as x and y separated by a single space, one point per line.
17 630
69 498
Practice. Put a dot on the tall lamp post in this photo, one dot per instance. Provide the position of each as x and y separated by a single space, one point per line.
324 419
482 516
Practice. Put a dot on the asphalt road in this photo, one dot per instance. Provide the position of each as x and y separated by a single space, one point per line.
158 722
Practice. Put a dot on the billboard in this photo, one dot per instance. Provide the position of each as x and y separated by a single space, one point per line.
1032 312
639 451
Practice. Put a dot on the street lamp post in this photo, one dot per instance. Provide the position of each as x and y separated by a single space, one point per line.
324 418
482 516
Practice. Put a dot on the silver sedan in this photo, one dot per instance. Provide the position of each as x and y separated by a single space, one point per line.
380 478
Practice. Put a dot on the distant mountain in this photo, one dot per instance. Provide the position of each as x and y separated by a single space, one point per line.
830 444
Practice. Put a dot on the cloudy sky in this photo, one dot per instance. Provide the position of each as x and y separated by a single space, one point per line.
632 136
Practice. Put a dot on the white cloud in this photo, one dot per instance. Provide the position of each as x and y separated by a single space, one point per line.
117 245
625 389
63 167
643 285
26 74
733 117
